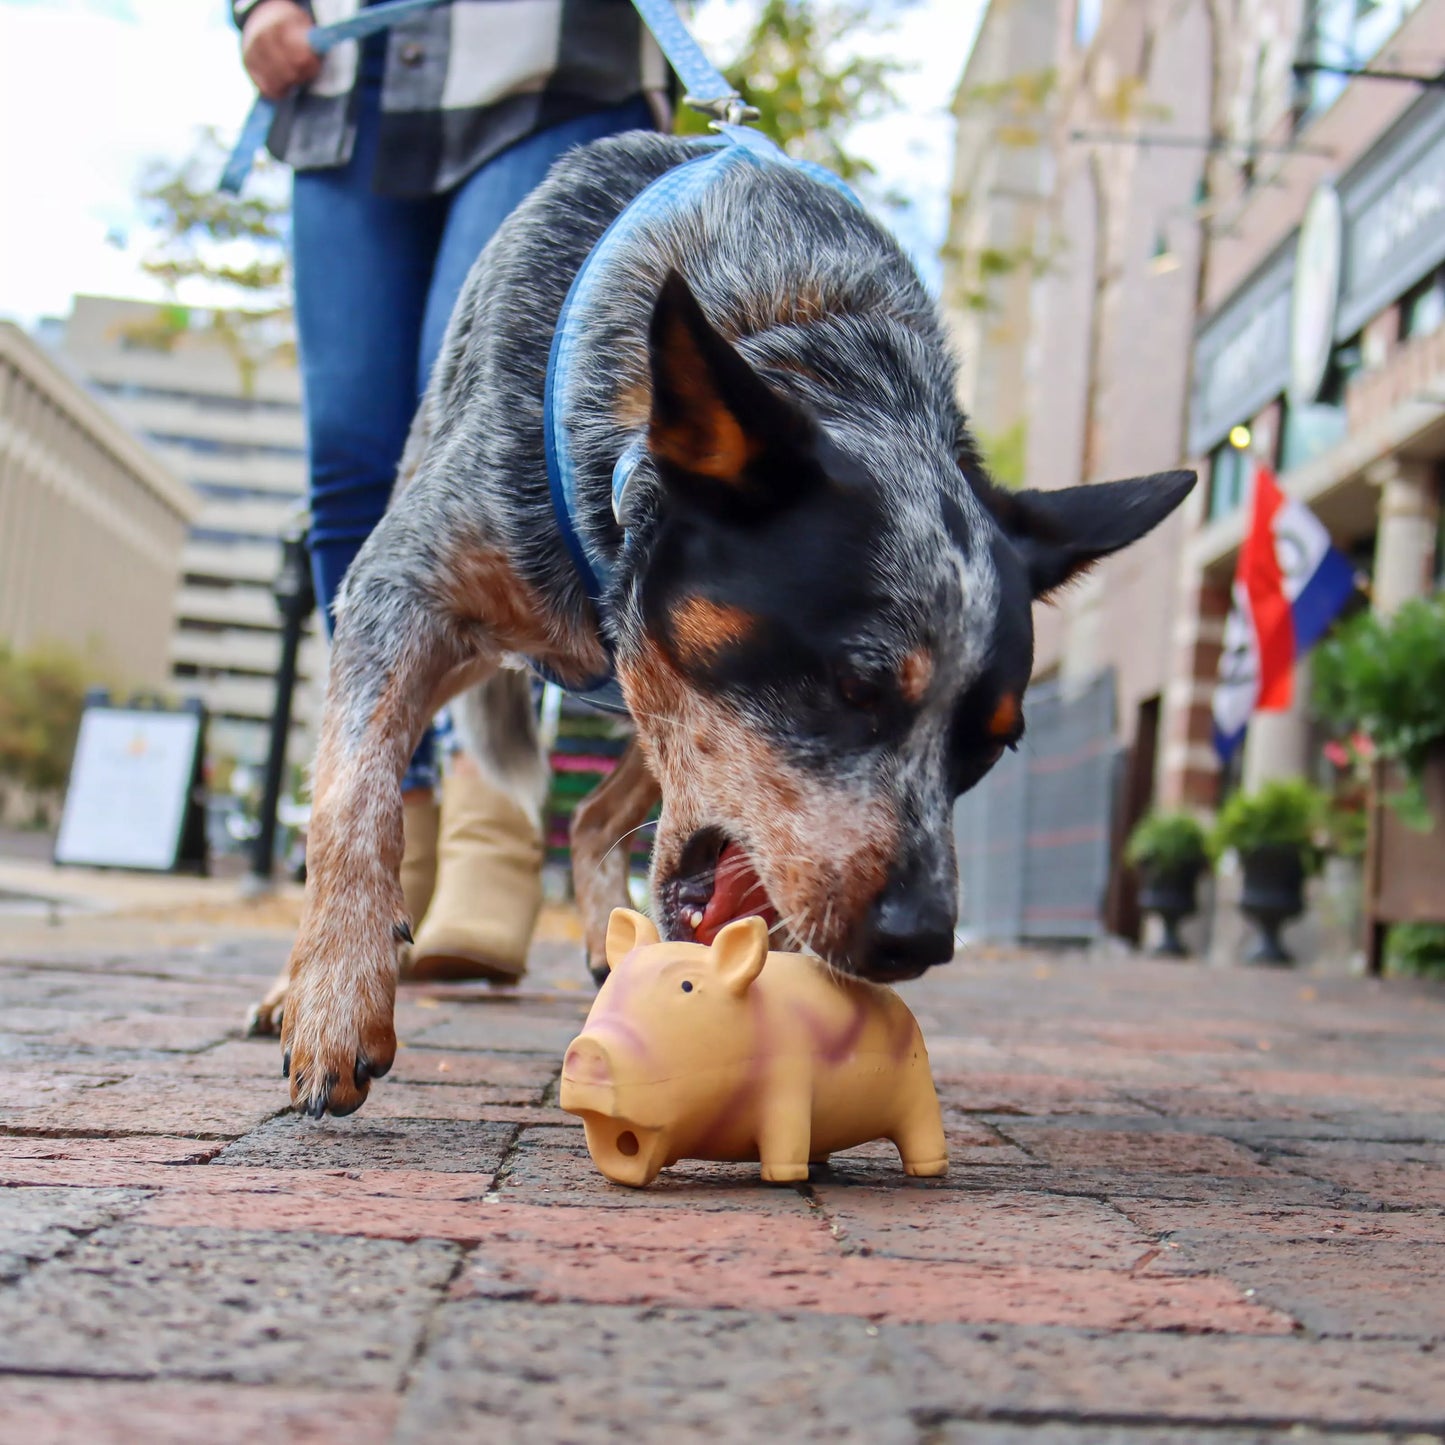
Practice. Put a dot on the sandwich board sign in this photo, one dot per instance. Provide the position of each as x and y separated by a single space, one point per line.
135 795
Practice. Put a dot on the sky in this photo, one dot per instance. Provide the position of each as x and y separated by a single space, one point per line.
91 90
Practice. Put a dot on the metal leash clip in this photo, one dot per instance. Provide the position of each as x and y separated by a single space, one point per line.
730 109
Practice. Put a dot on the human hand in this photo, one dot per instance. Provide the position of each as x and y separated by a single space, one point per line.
274 48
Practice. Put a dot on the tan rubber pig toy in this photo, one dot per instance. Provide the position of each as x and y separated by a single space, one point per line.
728 1051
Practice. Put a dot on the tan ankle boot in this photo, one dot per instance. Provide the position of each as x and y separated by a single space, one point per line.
421 817
488 890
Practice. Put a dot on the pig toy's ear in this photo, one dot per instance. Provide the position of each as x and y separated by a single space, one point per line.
627 930
739 952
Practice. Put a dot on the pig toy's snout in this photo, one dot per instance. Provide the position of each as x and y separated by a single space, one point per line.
587 1062
625 1152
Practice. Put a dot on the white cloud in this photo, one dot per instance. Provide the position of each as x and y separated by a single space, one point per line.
92 89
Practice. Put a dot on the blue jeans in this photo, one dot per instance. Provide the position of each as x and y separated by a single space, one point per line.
376 280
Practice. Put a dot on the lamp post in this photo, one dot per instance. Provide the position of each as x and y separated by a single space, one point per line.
295 598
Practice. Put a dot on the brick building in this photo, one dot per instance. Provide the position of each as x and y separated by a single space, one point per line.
1131 181
1321 332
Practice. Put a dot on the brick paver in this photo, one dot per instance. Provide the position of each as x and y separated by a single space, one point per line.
1185 1205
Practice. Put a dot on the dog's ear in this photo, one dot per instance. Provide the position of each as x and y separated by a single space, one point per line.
722 438
1062 533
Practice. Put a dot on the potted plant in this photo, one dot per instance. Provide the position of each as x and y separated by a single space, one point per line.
1381 681
1170 851
1416 949
1275 833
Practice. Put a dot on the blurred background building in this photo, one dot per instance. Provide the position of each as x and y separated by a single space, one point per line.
1173 219
236 435
92 525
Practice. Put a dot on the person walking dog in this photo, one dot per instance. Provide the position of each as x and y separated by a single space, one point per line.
409 150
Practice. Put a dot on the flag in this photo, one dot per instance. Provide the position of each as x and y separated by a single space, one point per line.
1291 583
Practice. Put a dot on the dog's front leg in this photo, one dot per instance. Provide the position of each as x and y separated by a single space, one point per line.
602 829
393 662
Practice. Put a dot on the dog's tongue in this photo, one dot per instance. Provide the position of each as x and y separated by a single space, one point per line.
737 893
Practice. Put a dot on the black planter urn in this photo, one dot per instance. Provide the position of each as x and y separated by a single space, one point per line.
1170 891
1274 892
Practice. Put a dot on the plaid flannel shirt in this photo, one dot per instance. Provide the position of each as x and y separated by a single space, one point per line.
465 80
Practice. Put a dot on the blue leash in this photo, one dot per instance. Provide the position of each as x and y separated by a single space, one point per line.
320 38
708 91
707 88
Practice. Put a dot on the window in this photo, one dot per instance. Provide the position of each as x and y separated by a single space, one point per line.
1308 431
1423 309
1345 33
210 400
213 446
1230 473
240 492
1086 19
207 625
225 537
1438 576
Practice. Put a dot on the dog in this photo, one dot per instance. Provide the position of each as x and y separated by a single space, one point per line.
818 610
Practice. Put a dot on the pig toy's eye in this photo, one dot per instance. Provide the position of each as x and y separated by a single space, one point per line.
686 986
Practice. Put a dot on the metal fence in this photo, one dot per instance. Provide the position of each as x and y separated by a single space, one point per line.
1033 837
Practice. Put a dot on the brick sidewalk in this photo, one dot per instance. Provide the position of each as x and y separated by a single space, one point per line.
1185 1205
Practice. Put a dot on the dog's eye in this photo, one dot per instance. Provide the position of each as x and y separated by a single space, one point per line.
860 692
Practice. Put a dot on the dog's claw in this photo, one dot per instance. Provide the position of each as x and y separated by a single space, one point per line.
316 1107
401 929
361 1073
286 1064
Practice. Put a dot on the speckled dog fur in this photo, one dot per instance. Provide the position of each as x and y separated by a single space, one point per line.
819 612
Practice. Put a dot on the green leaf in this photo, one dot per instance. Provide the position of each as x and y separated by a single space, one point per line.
1385 677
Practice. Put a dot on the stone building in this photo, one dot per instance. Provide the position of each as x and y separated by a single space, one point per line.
241 447
1131 181
92 525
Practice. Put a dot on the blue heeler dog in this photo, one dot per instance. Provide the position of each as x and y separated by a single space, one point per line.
819 608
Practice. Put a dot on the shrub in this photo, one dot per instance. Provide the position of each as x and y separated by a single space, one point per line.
1384 677
1170 842
1416 948
42 694
1286 813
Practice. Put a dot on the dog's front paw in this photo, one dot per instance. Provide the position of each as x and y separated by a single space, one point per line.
336 1031
263 1019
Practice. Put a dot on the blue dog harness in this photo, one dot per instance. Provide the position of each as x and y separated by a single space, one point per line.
673 191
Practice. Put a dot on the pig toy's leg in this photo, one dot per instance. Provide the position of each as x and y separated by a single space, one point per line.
785 1130
919 1137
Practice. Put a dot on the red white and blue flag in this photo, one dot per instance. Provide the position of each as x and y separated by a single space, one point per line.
1291 583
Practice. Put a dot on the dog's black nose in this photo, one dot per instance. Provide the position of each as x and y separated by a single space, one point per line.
911 929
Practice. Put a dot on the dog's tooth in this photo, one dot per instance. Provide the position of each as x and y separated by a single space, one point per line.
694 919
